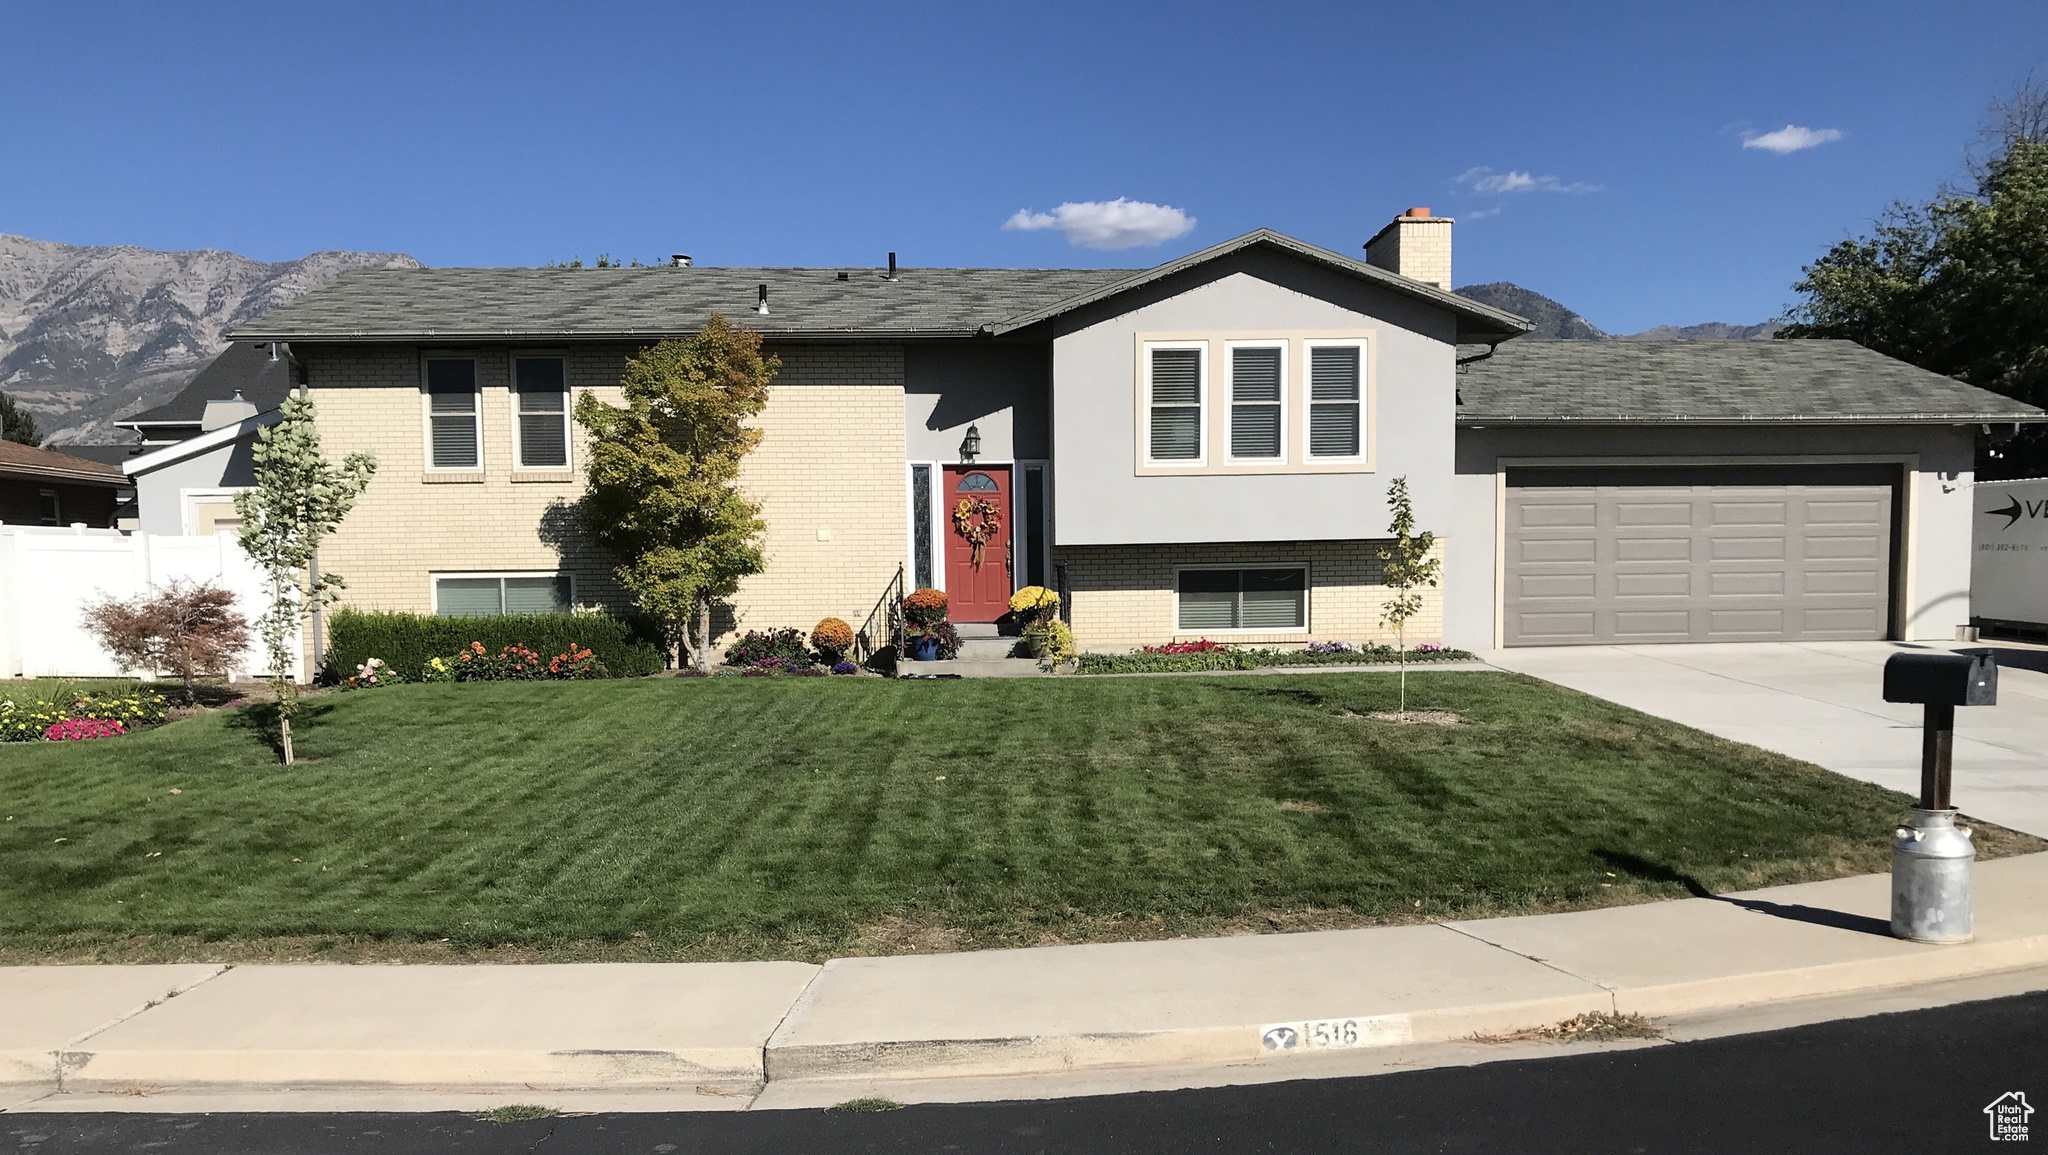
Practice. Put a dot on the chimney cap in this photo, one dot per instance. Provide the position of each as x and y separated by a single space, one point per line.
679 260
1419 212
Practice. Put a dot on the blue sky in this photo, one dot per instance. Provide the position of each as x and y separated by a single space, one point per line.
1595 153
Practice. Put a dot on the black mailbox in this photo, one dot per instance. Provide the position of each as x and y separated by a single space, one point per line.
1942 679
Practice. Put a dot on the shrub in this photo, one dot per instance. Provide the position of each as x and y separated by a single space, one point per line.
1155 661
831 638
190 630
575 664
1055 641
408 642
757 646
372 674
74 729
514 663
924 608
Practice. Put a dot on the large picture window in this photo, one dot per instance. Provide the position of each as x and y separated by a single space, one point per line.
1336 400
1262 600
1174 381
482 595
454 431
540 388
1257 390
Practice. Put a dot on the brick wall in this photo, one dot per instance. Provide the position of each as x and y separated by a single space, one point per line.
829 472
1123 596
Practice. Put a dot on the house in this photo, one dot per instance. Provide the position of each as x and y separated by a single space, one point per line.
1199 449
197 447
46 487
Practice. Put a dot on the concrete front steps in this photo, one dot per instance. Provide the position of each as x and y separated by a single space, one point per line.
984 653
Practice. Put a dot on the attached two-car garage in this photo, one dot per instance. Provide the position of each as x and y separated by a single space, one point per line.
1699 554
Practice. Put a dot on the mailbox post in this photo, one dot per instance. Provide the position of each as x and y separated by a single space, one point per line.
1931 855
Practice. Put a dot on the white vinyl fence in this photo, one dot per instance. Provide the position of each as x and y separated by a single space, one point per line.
49 575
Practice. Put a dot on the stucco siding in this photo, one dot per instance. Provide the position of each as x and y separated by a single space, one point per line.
1105 498
1933 580
1002 390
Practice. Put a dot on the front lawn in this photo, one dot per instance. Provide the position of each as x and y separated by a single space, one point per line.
800 818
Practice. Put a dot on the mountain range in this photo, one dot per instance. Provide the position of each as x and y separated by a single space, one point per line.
90 334
1555 322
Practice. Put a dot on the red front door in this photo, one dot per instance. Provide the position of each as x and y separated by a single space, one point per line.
977 581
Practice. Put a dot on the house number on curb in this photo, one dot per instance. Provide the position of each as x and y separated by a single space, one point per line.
1323 1034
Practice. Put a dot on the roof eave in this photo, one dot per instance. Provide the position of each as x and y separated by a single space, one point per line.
1768 419
40 473
430 337
1494 325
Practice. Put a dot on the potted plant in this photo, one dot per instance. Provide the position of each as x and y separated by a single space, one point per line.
925 628
831 638
1034 609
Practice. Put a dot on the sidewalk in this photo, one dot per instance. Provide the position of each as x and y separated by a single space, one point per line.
713 1035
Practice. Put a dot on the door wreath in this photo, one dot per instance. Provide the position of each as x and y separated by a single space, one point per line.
978 520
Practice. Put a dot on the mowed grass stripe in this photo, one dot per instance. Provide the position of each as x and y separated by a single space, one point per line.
734 818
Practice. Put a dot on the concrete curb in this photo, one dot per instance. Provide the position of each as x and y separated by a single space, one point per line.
726 1030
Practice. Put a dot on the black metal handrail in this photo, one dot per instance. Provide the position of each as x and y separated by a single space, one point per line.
879 641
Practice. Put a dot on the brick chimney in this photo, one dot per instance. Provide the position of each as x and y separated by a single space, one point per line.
1415 245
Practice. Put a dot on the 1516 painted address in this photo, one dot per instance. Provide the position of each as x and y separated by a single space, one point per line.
1323 1034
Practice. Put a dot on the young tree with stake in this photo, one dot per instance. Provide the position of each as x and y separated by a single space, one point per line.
299 498
664 492
1406 568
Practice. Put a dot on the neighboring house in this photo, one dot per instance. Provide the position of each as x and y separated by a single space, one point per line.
196 447
46 487
1200 449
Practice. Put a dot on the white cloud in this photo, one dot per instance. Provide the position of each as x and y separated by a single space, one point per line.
1117 224
1481 179
1791 138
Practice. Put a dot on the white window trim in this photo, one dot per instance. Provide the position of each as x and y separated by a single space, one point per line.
1308 587
434 583
518 426
1201 458
427 412
189 499
1308 392
1230 400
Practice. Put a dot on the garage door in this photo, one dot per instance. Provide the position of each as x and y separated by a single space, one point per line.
1698 555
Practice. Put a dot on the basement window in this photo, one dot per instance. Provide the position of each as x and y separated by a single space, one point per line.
476 595
1253 600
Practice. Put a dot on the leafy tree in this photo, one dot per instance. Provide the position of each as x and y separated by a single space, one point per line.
1958 285
664 493
299 498
1406 568
188 629
17 424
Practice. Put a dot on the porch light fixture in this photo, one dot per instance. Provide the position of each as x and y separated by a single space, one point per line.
970 445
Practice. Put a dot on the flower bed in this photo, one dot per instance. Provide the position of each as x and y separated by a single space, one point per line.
69 717
1205 655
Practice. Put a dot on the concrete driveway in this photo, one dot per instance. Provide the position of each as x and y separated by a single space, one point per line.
1822 702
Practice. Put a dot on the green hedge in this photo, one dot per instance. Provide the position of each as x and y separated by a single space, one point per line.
1248 659
406 641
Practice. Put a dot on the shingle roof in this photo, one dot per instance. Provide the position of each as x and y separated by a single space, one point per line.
243 367
488 304
18 460
457 305
1714 383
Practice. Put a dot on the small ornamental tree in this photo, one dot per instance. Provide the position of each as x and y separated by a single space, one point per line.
664 492
299 498
1406 568
190 630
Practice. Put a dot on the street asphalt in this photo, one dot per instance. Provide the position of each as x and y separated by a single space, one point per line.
1912 1082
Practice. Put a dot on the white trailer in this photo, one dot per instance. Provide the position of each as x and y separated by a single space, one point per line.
2009 566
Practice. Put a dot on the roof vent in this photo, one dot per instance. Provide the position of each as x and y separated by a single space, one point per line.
761 306
892 266
679 261
842 276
